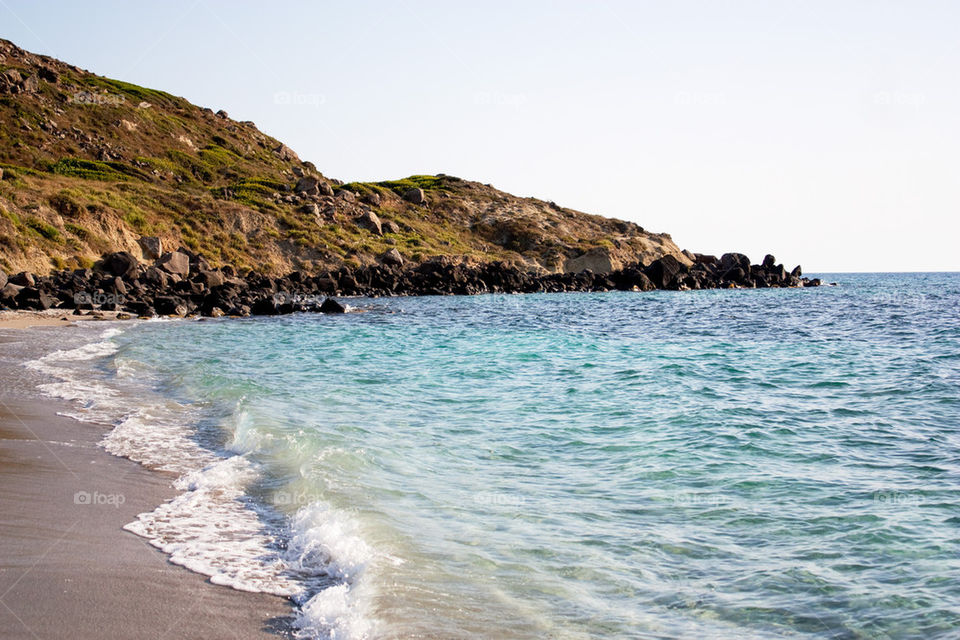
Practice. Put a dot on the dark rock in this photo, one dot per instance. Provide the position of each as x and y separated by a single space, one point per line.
211 279
151 246
33 298
332 306
156 277
23 279
730 260
663 271
170 306
122 264
769 261
797 272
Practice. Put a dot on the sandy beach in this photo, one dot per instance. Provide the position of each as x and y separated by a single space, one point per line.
67 569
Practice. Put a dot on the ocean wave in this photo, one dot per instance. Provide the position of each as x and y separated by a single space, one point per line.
214 527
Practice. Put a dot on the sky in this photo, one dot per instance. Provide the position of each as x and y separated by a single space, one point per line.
824 132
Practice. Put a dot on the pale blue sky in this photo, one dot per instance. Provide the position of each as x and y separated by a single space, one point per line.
823 132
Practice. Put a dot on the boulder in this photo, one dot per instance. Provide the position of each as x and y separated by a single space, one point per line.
734 274
768 262
156 277
308 185
392 257
170 306
730 260
346 194
176 263
211 278
663 271
22 279
33 298
332 306
9 293
151 247
122 264
372 198
311 208
797 272
415 196
286 153
369 220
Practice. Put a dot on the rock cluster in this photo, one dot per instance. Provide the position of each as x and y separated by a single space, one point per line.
182 283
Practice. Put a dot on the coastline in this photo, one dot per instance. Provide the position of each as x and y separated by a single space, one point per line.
65 561
49 318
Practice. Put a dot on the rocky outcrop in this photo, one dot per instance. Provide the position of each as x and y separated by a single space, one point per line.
182 283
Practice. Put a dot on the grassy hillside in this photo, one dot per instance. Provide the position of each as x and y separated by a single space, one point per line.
91 164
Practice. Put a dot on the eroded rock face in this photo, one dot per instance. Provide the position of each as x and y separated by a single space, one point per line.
596 260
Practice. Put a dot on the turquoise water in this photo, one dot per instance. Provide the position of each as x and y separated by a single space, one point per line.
723 464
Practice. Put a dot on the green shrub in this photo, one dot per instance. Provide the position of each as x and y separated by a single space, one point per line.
47 231
86 169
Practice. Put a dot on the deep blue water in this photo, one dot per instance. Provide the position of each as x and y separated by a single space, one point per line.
723 464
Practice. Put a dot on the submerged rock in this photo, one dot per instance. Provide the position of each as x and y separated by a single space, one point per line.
332 306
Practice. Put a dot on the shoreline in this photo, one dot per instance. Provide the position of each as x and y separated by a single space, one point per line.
65 561
24 319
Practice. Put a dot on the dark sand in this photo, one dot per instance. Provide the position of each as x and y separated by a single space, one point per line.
68 570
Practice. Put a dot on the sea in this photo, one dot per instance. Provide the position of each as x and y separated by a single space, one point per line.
770 463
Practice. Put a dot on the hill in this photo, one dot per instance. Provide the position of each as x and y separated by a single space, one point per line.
91 165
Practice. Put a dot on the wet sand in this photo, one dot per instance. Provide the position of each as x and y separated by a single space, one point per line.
67 568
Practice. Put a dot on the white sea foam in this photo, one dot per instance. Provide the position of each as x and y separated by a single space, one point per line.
214 527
